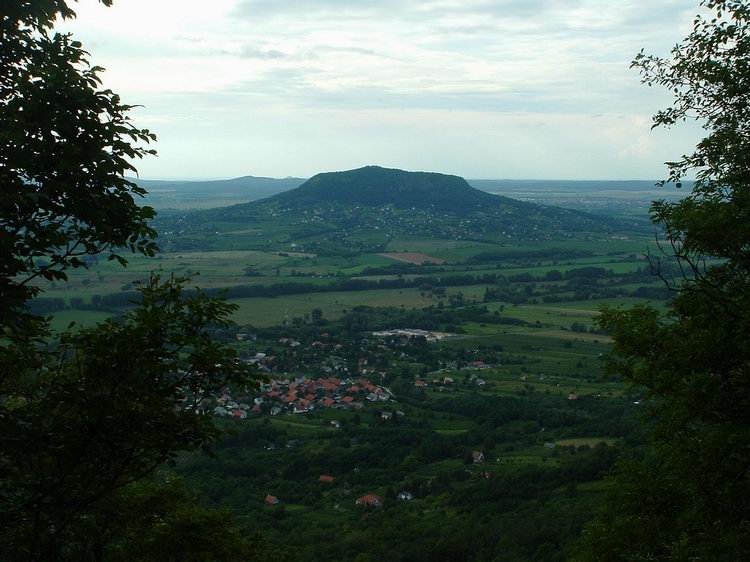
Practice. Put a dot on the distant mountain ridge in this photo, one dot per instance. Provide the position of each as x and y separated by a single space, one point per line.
201 194
205 194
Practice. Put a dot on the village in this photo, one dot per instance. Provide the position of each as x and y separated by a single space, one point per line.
301 395
304 376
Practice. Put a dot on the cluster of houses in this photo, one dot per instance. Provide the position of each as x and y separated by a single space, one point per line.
447 381
368 500
300 395
412 333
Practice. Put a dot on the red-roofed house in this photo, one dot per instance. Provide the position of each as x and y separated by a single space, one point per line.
327 479
271 500
420 384
328 402
370 500
347 399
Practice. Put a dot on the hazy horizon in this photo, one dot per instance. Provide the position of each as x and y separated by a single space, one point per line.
506 89
282 177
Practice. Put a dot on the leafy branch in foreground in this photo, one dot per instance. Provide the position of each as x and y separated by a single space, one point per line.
686 499
65 146
87 417
105 409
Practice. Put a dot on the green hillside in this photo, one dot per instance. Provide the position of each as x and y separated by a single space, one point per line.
373 186
362 210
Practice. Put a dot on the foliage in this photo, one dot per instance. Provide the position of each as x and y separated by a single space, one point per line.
104 409
85 416
686 500
159 520
65 145
525 511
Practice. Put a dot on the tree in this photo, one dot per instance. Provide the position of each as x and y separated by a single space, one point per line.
686 499
65 147
105 409
87 417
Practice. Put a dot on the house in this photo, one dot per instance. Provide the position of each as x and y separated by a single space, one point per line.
327 479
477 457
386 415
420 384
572 396
406 496
381 393
271 500
549 445
370 500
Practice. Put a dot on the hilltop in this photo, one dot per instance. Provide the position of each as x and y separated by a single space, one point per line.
363 209
373 186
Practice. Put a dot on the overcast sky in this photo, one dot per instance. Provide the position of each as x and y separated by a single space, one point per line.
536 89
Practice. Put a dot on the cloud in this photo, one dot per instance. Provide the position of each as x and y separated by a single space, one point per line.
253 52
312 77
302 8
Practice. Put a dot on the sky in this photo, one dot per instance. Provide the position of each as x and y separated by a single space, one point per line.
522 89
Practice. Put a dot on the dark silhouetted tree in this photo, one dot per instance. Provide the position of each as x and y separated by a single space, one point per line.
687 499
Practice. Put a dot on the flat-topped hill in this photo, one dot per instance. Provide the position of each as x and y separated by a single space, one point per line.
373 186
362 210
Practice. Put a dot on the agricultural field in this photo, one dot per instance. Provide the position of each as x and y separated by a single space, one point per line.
226 269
